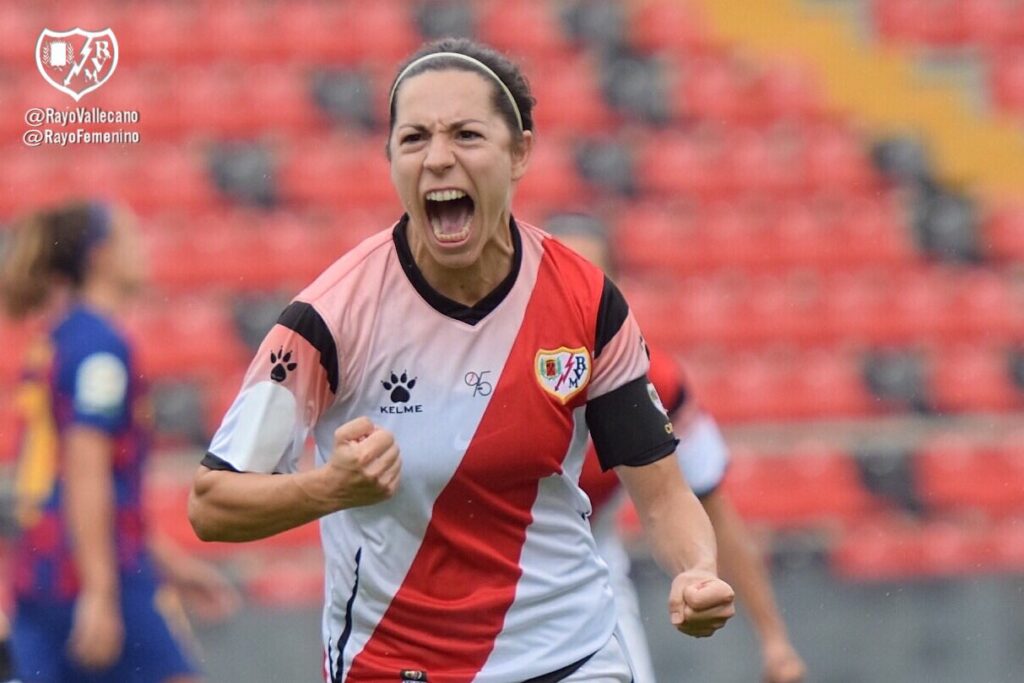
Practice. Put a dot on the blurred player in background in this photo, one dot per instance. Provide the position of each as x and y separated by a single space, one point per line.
484 350
6 662
87 575
704 458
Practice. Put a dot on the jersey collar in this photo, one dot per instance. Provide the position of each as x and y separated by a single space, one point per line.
453 309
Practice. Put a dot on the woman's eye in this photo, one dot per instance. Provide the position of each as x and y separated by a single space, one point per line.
410 138
469 135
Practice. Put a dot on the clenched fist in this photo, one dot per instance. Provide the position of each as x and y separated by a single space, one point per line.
700 603
364 466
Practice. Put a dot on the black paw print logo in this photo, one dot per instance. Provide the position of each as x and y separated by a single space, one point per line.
399 387
282 365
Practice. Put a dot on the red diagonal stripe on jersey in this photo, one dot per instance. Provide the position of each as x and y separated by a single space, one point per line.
448 612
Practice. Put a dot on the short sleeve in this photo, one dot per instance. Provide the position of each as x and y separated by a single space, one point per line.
703 455
289 384
97 383
627 420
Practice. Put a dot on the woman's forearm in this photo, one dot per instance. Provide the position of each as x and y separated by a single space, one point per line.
89 509
677 527
234 506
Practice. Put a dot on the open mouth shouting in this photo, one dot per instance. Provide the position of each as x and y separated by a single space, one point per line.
450 213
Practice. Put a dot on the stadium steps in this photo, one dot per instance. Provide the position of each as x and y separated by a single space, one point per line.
881 87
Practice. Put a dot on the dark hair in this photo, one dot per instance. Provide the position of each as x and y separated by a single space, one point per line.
50 245
509 73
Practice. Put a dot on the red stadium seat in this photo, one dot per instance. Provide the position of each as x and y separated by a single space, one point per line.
934 23
382 31
1004 233
880 550
1007 79
526 28
160 176
309 31
826 383
747 388
973 378
713 88
768 161
552 179
338 172
189 336
814 485
669 26
955 474
732 234
852 302
987 22
873 231
681 165
800 235
569 98
837 160
20 24
706 311
783 309
918 308
898 549
788 90
149 32
231 32
986 307
649 236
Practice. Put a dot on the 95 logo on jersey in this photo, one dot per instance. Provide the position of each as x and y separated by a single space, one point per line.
562 372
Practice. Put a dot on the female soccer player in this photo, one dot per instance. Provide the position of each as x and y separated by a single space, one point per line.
485 350
87 579
703 456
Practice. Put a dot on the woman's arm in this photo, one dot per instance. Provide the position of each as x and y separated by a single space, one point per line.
205 590
97 633
741 563
242 506
683 543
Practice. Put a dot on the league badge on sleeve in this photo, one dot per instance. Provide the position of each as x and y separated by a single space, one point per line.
563 372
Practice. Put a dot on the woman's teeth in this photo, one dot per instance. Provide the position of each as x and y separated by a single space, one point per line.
445 195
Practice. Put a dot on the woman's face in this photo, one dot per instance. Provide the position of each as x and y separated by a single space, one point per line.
454 163
121 258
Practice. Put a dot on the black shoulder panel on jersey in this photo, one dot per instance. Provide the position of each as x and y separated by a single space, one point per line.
610 315
303 318
217 463
628 428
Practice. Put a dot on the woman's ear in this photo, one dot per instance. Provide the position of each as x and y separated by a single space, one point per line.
521 155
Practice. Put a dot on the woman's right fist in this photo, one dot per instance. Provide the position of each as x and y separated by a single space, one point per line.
364 466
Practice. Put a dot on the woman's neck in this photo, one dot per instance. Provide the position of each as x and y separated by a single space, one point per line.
468 285
102 296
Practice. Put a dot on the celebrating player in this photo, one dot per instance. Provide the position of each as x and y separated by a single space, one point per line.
485 350
87 576
704 456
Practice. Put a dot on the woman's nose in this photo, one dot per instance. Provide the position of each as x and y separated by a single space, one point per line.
439 155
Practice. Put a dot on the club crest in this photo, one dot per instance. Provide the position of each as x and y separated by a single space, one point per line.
76 62
563 372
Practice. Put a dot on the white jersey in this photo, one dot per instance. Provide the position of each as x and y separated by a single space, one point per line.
482 567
